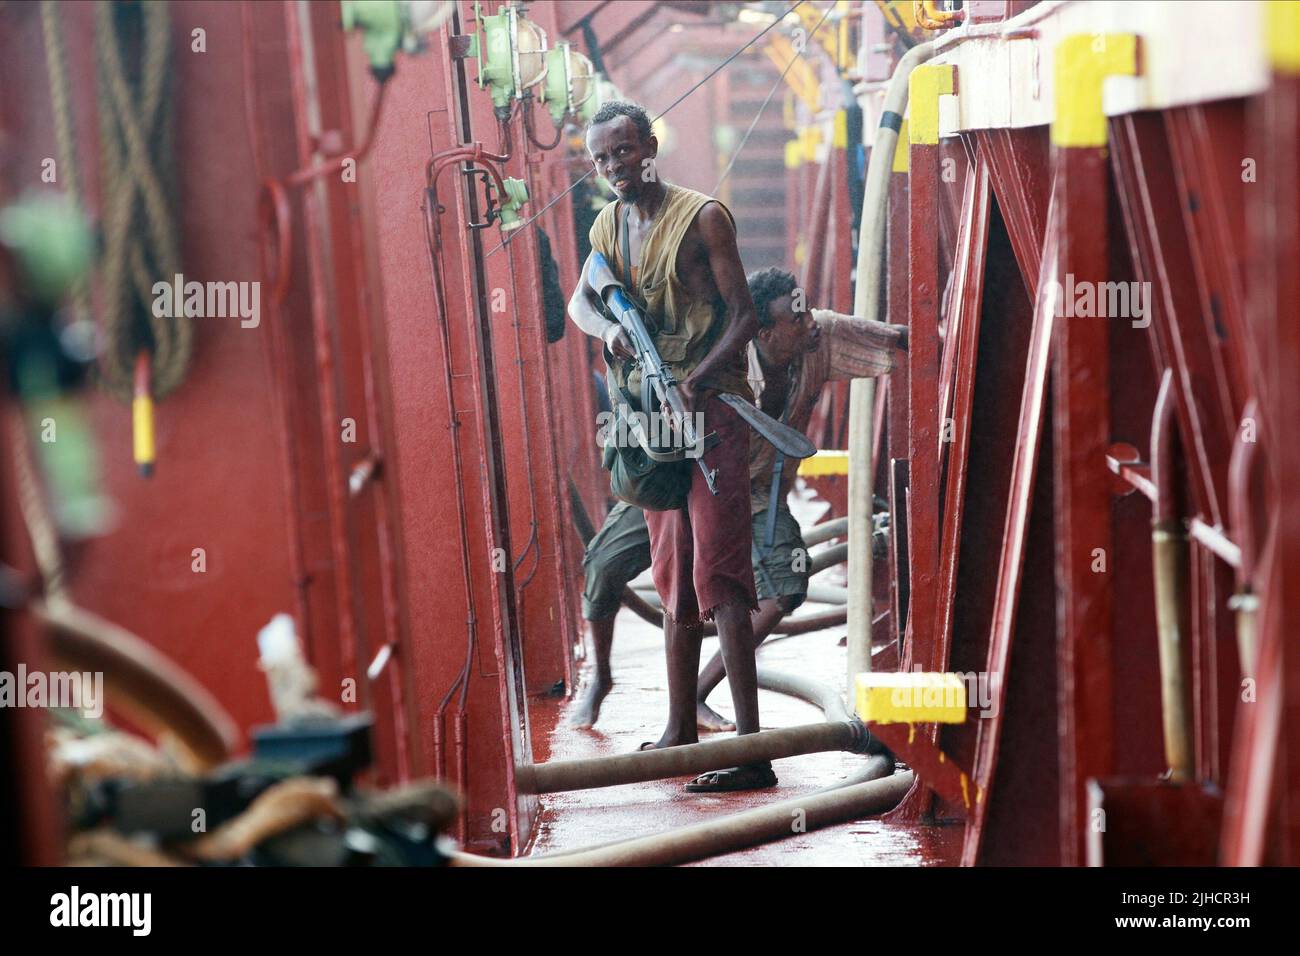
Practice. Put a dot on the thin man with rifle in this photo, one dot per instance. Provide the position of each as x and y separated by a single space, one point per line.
683 272
797 351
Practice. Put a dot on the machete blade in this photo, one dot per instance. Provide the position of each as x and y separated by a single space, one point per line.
788 441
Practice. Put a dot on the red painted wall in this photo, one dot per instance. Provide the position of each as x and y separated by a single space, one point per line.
252 463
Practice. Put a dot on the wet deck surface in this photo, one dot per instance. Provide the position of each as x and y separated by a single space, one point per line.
635 711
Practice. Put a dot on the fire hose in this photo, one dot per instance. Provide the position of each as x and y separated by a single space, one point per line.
875 789
839 732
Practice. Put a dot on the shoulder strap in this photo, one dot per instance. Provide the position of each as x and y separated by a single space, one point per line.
774 493
627 254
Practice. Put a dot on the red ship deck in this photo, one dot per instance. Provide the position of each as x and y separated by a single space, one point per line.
634 712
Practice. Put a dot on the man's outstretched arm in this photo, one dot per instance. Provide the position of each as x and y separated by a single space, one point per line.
584 310
858 347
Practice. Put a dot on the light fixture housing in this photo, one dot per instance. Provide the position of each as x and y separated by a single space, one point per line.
570 81
605 92
387 26
511 52
510 204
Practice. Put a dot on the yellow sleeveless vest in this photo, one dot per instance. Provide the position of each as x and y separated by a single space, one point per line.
684 326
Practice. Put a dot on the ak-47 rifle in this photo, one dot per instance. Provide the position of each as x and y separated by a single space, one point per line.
659 385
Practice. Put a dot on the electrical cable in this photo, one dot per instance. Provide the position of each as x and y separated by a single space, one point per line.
768 99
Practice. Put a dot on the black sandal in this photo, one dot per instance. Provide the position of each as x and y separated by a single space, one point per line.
752 776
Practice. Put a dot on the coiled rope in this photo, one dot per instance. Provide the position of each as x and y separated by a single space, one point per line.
141 245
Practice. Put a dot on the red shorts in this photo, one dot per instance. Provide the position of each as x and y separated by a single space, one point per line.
700 555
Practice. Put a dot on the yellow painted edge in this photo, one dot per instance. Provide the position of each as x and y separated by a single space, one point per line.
799 76
844 56
811 138
142 429
1282 35
922 698
825 463
902 153
928 82
1083 61
840 139
793 154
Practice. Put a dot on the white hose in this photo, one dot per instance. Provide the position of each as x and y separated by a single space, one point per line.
862 392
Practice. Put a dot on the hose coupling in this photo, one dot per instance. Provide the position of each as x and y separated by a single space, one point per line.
864 741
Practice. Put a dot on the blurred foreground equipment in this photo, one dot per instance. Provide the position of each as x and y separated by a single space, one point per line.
293 802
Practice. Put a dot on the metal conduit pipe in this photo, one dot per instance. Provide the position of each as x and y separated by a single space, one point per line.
823 559
873 791
1245 603
828 594
873 768
1169 551
691 759
862 392
790 625
829 557
806 624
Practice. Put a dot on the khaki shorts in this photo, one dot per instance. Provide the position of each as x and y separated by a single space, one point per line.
781 571
617 554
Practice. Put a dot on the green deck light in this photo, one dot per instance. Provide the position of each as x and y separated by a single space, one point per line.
391 25
51 242
511 52
514 199
570 81
381 26
603 92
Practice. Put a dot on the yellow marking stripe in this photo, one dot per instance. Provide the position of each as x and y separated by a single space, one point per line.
142 429
1083 61
825 463
1282 35
902 151
928 82
811 137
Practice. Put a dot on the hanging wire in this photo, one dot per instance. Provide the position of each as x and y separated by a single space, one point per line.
770 93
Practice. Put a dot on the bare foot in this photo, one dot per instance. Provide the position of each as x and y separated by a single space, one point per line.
706 718
587 709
